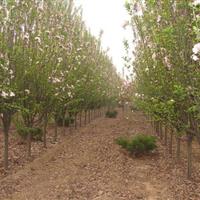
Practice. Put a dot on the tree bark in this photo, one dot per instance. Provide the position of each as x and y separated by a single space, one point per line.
157 129
80 115
63 125
178 148
45 131
189 155
75 122
55 132
88 116
29 138
6 120
165 139
85 117
171 142
161 131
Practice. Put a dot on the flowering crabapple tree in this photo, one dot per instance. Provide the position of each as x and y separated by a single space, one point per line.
166 66
50 65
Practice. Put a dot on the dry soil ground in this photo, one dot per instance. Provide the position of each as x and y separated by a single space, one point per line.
88 165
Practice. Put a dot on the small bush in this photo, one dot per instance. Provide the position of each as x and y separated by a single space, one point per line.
139 144
36 133
111 114
123 142
134 108
68 121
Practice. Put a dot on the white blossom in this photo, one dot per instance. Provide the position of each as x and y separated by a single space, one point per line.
158 19
26 36
12 94
196 48
38 40
172 101
56 80
196 2
60 60
167 62
70 94
194 57
154 56
22 27
27 91
4 94
147 69
7 94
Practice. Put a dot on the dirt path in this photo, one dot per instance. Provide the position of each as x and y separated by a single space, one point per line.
88 165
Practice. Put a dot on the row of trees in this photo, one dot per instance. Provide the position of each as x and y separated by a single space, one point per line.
50 65
166 66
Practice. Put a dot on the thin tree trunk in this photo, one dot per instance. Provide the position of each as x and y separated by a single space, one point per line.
80 115
85 117
178 148
6 133
29 138
92 112
165 139
154 127
157 128
75 122
189 154
161 131
89 116
63 125
45 131
6 120
55 132
171 142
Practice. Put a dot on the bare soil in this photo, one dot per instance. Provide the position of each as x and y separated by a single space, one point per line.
88 165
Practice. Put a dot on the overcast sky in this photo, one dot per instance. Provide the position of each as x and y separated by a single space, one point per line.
108 15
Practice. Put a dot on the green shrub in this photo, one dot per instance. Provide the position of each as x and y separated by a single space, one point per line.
36 133
123 142
68 121
134 108
139 144
111 114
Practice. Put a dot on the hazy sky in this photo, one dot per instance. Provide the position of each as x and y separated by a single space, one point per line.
108 15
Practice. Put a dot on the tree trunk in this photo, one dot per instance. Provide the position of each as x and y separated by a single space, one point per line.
45 131
178 148
29 138
56 132
6 120
6 133
85 117
189 155
157 128
80 115
89 116
161 131
154 127
75 122
63 125
165 139
92 114
171 142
